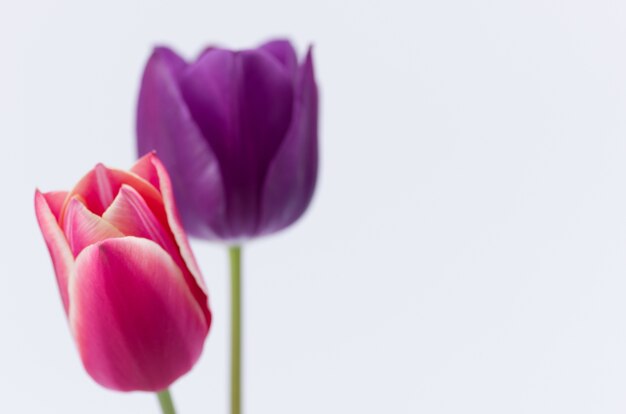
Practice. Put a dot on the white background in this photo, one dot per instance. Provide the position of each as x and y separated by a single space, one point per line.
466 248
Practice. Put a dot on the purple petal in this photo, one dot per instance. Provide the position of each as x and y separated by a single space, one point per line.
291 178
284 52
242 102
165 124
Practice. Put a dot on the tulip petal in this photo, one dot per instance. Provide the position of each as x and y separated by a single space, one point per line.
291 178
164 123
135 322
55 200
242 103
175 225
144 169
83 228
284 52
98 188
129 213
47 208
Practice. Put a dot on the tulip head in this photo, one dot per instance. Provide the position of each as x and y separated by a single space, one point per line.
132 291
237 131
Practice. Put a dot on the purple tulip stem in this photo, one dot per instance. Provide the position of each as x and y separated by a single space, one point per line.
165 400
235 326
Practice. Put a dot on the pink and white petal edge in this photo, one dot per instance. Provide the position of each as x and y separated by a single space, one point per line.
62 258
148 167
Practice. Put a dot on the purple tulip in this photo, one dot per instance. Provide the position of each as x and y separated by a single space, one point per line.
237 131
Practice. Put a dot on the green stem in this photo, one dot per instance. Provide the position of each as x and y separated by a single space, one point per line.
165 399
235 330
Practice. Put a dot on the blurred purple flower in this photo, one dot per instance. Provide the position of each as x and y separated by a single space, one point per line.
237 131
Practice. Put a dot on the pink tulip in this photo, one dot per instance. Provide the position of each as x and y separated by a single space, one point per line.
132 291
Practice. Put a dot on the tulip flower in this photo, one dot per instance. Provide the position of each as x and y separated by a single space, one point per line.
130 286
237 131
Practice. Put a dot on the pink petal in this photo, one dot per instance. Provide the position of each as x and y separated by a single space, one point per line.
192 271
165 186
99 187
55 201
131 215
83 228
135 322
47 207
143 168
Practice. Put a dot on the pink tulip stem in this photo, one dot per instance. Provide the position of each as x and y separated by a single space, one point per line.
235 326
165 399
